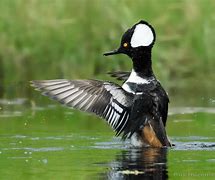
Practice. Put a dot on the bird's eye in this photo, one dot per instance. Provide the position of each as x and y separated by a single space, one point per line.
125 45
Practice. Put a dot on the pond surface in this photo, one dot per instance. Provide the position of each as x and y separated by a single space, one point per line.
53 142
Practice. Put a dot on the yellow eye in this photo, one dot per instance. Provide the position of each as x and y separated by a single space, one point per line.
125 45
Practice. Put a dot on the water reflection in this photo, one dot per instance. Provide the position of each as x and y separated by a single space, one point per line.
147 163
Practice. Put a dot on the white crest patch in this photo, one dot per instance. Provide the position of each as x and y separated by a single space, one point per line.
142 36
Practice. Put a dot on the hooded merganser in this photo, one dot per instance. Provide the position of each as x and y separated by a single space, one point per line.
137 109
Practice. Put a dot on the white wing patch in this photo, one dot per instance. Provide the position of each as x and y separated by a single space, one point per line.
116 116
142 36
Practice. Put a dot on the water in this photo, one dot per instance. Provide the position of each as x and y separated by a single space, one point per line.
53 142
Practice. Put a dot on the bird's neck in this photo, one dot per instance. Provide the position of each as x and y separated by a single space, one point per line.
142 63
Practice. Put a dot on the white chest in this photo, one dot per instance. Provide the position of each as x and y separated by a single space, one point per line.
134 78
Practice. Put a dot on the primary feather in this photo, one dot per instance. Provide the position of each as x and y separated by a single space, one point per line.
105 99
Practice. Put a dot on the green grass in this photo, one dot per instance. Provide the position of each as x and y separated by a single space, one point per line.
48 39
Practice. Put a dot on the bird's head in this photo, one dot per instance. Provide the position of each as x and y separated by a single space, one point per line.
140 37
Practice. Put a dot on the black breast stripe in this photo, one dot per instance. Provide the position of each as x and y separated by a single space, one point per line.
105 99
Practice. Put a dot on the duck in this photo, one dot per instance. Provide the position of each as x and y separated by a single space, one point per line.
136 110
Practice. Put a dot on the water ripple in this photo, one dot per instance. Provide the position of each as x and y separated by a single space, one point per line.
42 149
191 110
194 146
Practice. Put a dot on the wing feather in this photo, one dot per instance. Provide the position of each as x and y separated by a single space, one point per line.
120 75
105 99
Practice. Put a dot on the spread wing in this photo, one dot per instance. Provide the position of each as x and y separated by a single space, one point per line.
105 99
120 75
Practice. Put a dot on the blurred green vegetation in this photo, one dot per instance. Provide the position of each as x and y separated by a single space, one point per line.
47 39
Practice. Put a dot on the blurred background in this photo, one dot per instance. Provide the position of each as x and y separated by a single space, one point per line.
66 39
49 39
